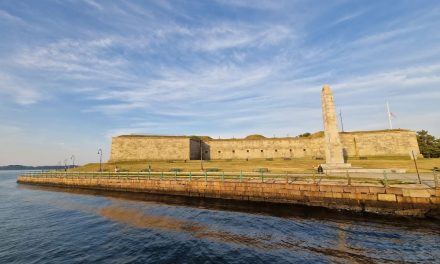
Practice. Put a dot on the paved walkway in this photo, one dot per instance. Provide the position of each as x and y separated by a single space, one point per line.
408 180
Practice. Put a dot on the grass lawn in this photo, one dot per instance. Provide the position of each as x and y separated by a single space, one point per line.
299 165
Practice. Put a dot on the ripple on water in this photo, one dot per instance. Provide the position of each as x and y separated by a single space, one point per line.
48 225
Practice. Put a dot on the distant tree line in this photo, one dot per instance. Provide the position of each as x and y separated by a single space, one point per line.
428 144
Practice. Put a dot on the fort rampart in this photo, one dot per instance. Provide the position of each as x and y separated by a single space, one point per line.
132 147
355 144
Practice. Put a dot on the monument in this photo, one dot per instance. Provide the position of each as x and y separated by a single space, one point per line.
334 157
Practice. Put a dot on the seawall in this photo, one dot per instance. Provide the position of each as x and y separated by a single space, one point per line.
402 201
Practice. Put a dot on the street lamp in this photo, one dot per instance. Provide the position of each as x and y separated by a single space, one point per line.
201 155
65 165
100 159
73 161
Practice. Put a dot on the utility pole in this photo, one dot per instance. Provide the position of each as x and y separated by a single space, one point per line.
342 124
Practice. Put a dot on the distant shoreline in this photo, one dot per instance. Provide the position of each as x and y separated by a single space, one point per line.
23 167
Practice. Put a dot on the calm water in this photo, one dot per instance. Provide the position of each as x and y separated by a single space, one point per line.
50 225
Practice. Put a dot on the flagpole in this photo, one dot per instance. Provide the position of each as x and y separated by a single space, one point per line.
389 116
342 124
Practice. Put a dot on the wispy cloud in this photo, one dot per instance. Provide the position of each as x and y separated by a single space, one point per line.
263 4
176 86
416 76
20 91
348 17
70 56
94 4
385 36
5 16
234 36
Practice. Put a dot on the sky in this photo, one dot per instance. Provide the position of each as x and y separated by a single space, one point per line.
75 73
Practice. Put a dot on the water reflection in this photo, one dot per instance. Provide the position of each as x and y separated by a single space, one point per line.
278 210
137 218
260 231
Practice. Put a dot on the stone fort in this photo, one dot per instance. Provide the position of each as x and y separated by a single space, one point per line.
320 145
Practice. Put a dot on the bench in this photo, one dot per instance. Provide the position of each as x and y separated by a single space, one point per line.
262 170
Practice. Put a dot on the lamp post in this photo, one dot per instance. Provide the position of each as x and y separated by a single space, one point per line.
73 161
65 165
201 155
100 159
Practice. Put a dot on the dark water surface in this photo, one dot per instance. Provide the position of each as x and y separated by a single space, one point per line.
52 225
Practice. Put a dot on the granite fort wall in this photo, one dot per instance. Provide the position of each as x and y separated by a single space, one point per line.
380 143
125 148
266 148
370 143
392 200
355 144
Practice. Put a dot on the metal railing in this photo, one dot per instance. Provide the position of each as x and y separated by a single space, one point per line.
241 176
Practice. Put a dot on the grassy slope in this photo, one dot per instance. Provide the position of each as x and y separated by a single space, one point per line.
294 165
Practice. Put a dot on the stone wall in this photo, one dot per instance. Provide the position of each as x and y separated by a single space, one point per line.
380 143
126 148
355 144
266 148
393 200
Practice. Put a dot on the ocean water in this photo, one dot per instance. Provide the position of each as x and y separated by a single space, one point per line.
54 225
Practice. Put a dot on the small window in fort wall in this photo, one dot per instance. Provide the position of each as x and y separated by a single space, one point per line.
276 150
262 151
247 151
304 149
233 151
290 150
219 151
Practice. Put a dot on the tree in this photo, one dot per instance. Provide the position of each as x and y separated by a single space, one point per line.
428 144
307 134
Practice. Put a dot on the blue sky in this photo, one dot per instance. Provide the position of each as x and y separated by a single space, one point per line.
75 73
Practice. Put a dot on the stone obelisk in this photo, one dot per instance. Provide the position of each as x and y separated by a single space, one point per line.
334 157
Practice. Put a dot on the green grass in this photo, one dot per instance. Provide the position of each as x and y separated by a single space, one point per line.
299 165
